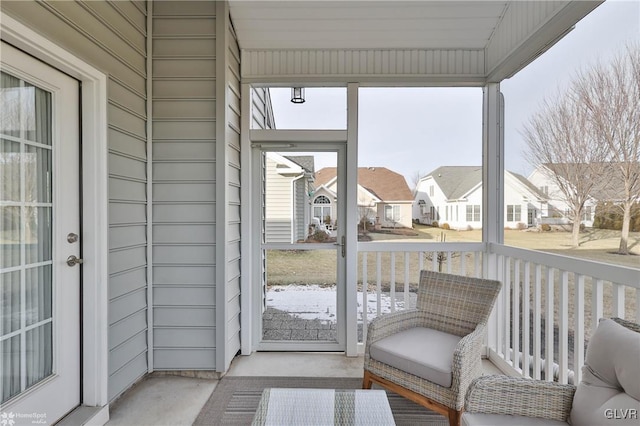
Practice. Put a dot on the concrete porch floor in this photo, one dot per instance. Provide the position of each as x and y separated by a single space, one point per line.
177 400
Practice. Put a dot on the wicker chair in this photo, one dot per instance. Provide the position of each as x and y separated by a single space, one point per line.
431 354
609 388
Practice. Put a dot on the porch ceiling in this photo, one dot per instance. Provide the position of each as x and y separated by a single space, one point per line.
368 25
495 38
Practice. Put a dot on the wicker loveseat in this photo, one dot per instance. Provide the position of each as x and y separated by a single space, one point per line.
609 393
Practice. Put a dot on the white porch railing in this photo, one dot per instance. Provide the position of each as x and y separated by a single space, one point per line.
388 273
545 314
549 306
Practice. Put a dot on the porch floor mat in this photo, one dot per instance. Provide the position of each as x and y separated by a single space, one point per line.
235 400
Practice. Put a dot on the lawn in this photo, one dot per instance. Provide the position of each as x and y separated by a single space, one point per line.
318 267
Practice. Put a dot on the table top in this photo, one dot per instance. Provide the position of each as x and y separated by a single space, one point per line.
283 406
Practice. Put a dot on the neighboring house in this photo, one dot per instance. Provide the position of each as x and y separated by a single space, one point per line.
453 195
288 183
559 212
383 196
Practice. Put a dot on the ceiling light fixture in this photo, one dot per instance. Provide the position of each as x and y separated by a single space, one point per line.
297 95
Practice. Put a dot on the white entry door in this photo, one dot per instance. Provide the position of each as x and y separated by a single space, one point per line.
39 234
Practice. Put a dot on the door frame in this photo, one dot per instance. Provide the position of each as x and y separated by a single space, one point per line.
94 204
298 141
248 231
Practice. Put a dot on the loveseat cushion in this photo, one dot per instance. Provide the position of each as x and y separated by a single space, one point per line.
479 419
420 351
609 392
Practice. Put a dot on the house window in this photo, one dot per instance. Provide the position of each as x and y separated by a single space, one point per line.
544 189
457 217
322 208
431 191
392 213
432 210
514 213
473 213
587 213
446 213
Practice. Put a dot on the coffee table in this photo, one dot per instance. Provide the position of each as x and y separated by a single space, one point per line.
284 406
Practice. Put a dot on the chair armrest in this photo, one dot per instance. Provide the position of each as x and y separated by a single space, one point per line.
467 363
520 397
388 324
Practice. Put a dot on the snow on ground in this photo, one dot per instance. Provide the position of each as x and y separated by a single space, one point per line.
315 302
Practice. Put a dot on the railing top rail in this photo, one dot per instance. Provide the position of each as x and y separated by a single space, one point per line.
392 246
605 271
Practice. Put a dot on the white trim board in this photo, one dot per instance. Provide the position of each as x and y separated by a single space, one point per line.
95 349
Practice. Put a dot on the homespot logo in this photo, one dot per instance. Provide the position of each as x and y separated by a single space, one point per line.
621 413
11 419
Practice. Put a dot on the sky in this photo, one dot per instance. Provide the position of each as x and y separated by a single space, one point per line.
416 130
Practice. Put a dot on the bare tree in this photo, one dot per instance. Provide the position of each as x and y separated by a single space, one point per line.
415 181
611 95
559 136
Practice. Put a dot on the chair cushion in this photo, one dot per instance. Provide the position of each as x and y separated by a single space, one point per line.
420 351
478 419
610 385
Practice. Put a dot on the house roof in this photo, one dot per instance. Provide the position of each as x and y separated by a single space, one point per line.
530 186
307 162
610 183
385 184
456 181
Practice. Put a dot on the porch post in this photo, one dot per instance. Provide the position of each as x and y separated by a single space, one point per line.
351 223
492 190
246 231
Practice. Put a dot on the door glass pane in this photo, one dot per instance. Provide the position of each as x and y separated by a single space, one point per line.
39 362
300 299
26 322
300 212
10 368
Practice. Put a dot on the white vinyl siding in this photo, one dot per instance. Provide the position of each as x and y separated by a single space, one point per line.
111 36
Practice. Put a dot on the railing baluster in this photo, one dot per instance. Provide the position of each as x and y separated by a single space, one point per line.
597 298
526 312
537 296
549 325
563 319
392 282
365 296
406 280
379 283
434 261
578 333
618 300
515 332
507 310
500 308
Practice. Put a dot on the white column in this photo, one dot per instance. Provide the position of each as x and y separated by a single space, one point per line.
351 200
246 223
492 188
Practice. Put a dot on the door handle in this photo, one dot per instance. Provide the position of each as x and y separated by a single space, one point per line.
342 244
73 260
